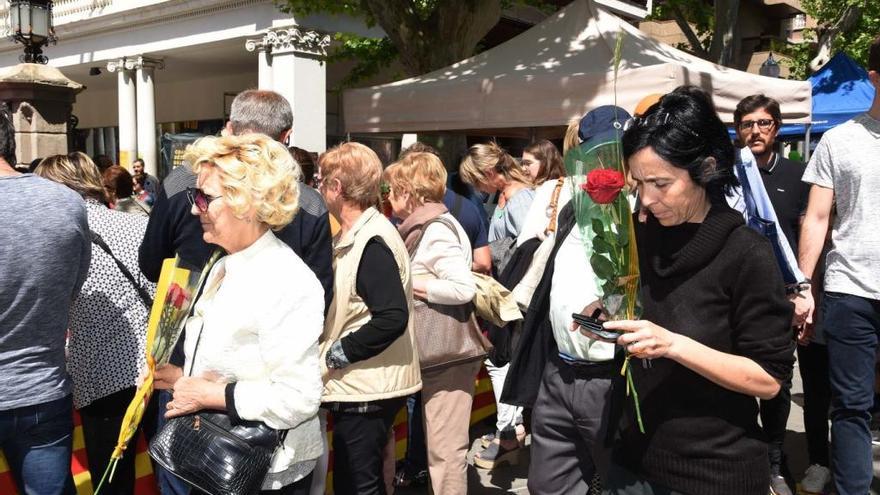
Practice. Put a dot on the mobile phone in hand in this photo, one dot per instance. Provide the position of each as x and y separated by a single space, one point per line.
595 326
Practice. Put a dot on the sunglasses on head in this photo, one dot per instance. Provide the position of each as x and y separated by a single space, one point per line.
198 198
763 124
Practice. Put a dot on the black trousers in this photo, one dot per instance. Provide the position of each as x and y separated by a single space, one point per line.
301 487
100 425
774 418
359 441
813 364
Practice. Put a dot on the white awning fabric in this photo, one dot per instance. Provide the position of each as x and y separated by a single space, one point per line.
552 73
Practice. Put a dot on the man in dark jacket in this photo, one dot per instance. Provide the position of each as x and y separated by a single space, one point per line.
174 231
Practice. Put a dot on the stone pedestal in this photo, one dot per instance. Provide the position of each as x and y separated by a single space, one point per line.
41 100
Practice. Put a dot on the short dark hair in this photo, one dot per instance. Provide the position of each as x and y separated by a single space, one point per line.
306 163
266 112
138 160
874 55
118 182
7 135
551 161
418 147
754 103
683 128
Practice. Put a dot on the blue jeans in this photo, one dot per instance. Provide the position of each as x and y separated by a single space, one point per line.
852 328
168 483
38 443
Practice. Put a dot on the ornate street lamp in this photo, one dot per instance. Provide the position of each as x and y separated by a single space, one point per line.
770 67
31 23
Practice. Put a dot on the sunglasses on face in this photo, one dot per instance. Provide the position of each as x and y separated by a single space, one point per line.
198 198
763 124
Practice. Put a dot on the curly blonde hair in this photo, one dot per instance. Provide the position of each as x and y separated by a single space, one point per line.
257 173
484 157
419 173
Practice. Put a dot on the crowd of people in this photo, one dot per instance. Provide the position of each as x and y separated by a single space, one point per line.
328 307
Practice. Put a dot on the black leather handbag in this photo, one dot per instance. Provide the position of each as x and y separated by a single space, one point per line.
214 454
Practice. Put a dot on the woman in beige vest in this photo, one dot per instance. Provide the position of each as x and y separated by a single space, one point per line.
441 264
368 358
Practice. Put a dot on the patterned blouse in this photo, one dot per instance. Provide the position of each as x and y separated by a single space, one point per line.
108 320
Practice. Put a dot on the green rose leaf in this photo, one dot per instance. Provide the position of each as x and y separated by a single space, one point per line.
598 227
600 245
602 267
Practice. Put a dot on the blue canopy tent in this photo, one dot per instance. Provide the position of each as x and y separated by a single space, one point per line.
841 91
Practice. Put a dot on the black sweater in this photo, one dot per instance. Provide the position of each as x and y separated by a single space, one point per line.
716 282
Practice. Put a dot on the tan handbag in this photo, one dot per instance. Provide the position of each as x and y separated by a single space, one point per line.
446 335
525 289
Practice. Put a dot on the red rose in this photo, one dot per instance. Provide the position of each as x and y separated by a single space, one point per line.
175 296
603 185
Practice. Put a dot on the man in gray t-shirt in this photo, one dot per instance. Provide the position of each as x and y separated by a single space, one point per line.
45 250
844 171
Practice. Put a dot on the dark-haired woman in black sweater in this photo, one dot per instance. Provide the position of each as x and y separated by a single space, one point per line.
715 327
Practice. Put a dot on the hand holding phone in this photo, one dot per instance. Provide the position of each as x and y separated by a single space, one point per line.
593 325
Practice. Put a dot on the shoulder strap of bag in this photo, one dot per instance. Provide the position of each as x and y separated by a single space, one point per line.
144 295
554 204
425 225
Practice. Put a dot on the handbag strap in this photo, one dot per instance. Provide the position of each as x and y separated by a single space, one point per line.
144 295
437 219
554 205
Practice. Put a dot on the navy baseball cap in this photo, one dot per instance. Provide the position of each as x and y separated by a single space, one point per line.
602 124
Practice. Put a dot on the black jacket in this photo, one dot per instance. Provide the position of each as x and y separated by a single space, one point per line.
536 344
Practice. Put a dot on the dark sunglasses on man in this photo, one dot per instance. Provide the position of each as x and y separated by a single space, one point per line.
763 124
198 198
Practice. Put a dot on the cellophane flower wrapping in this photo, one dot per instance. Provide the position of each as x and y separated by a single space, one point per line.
604 214
603 211
175 293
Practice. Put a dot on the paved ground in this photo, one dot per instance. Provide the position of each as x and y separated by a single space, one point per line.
512 479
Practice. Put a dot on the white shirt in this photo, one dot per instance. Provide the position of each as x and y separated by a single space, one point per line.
574 286
260 329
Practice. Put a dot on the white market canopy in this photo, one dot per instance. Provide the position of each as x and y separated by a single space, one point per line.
556 71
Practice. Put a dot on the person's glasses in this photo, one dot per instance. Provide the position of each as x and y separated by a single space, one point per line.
198 198
763 124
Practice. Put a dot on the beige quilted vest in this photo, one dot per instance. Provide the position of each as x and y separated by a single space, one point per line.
394 372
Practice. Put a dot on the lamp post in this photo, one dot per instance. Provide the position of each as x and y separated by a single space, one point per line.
770 67
31 22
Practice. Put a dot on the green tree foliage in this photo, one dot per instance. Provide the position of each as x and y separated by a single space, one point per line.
423 35
709 26
844 25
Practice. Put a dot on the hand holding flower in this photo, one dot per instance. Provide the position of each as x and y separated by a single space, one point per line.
165 376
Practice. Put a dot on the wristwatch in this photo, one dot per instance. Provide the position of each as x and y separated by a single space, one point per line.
802 286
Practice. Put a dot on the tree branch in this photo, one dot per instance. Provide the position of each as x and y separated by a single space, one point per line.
693 39
845 22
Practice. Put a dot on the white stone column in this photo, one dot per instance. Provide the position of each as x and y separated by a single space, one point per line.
264 62
146 112
127 111
299 74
